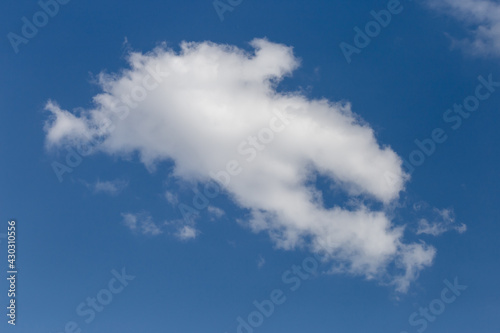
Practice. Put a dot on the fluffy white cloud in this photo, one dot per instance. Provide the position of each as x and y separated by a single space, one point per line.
482 18
214 110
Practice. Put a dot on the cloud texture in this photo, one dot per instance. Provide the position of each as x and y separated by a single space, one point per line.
215 112
482 19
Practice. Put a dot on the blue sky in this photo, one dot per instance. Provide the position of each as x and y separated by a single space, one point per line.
379 244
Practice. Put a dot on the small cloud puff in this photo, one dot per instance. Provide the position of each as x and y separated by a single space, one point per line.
215 212
171 198
109 187
186 232
261 262
141 223
442 221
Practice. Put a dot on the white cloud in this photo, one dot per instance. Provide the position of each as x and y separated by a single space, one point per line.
110 187
218 103
482 19
414 258
215 211
141 223
187 232
130 220
443 221
171 198
261 262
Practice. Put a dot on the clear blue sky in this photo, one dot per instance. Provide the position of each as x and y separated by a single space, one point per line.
72 234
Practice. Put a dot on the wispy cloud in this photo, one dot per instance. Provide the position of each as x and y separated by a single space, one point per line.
112 187
141 223
481 18
215 212
171 198
261 262
443 221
